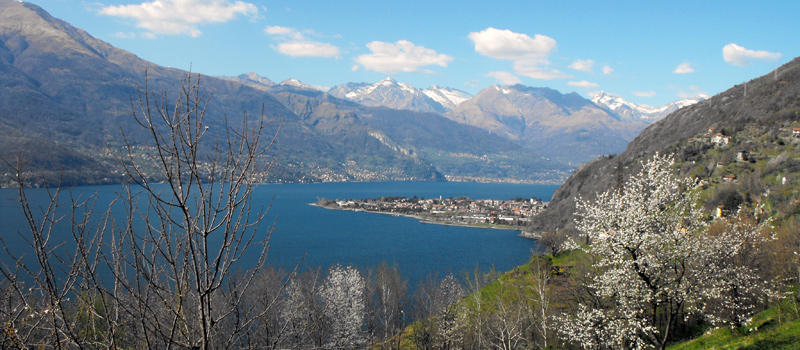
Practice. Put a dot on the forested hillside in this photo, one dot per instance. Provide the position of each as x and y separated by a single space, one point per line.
763 118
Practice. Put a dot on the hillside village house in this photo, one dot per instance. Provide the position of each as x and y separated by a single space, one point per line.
720 139
729 178
796 132
742 156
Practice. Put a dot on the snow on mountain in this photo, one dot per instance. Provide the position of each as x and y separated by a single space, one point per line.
397 95
253 80
297 84
631 112
567 127
447 97
253 77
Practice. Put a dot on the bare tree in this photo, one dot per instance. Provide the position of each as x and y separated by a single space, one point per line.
299 314
390 296
265 297
155 268
436 326
553 241
540 297
52 295
510 321
475 309
183 240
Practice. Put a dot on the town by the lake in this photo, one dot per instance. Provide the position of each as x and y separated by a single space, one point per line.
493 213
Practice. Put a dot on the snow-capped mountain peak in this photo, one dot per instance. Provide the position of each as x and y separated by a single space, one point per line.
447 97
629 111
297 84
254 77
393 94
609 100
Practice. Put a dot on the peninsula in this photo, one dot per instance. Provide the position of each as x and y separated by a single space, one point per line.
461 211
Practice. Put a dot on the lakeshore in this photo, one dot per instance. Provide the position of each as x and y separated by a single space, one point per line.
462 211
318 238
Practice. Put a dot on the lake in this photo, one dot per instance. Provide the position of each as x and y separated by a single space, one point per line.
326 237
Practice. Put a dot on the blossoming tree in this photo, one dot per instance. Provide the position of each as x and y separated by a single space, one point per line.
657 261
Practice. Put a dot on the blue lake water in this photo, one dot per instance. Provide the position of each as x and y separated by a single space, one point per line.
326 237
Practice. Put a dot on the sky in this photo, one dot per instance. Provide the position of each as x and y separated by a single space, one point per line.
648 52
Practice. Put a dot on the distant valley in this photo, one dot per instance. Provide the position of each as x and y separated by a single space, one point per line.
546 122
66 99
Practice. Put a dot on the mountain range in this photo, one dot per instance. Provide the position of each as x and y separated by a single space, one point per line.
631 112
562 126
393 94
390 93
67 97
568 127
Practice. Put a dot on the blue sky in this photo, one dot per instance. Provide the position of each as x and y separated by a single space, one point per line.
649 52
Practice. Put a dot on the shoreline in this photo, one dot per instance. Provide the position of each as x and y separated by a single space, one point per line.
424 220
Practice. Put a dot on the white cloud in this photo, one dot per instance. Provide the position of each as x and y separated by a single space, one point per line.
181 16
684 68
583 84
284 31
308 49
607 69
505 78
355 68
529 55
296 44
644 93
582 65
505 44
740 56
401 56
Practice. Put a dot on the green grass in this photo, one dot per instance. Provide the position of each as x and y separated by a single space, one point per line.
765 331
569 258
775 328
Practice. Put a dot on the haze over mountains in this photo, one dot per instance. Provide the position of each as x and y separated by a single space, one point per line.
563 126
544 120
66 98
393 94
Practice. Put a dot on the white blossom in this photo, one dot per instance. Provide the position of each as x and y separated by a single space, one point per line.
656 258
343 295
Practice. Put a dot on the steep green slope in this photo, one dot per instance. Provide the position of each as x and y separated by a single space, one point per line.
767 112
777 328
